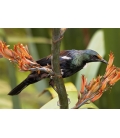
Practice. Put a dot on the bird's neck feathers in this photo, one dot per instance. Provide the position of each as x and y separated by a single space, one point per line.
79 58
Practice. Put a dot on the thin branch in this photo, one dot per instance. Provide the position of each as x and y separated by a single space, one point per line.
43 69
57 35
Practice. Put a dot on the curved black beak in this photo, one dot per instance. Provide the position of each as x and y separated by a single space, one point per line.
104 61
101 59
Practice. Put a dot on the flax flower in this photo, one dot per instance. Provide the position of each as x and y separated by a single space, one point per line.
93 90
19 55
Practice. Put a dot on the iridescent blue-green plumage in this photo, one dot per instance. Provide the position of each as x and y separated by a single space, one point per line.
71 61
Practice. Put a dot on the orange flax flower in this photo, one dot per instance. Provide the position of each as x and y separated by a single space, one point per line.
83 84
96 97
104 84
21 49
110 62
92 82
5 52
19 55
94 90
110 70
115 79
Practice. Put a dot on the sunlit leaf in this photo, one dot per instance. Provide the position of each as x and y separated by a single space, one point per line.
69 87
89 106
72 95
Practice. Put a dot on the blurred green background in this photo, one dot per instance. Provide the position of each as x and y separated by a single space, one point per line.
39 43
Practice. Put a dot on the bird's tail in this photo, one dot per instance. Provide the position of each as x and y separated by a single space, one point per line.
32 78
19 88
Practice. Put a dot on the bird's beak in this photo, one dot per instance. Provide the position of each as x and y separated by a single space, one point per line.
104 61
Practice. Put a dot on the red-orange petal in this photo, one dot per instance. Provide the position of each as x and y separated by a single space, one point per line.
104 84
95 87
24 51
110 71
83 83
97 96
92 82
110 62
115 79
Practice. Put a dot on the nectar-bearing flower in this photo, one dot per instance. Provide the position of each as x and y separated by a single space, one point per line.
93 90
19 55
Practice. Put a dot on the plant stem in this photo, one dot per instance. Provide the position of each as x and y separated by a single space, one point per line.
57 35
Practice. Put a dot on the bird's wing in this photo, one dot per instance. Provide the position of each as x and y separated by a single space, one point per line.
64 56
67 53
44 61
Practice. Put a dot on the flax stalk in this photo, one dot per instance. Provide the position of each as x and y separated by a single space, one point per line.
57 35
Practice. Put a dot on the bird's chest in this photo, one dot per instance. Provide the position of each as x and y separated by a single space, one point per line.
69 68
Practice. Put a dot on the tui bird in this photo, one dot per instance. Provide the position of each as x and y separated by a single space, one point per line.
71 61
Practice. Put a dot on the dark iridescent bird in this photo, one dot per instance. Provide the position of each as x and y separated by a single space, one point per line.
71 61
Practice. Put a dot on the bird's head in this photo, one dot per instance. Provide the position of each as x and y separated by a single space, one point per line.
93 56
